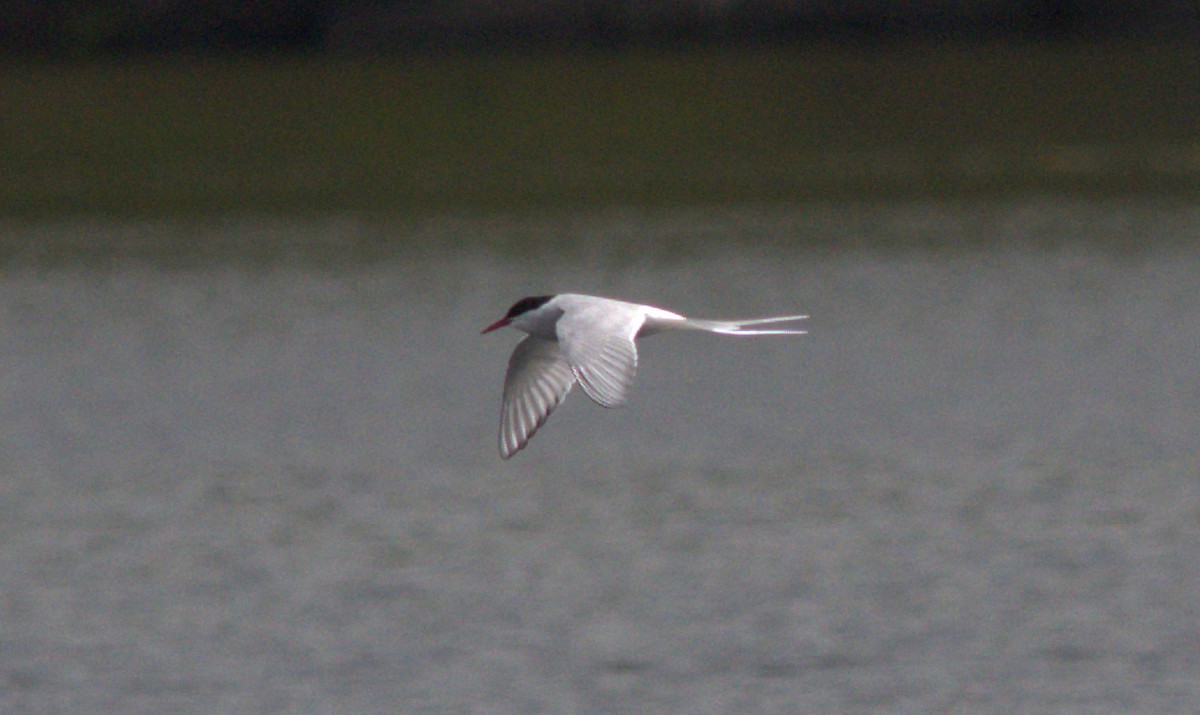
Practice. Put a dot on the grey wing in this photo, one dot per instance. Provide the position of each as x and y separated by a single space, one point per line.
538 379
599 345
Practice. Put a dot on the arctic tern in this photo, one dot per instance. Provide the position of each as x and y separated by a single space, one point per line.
590 340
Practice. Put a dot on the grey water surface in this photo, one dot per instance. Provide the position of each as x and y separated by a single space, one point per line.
250 466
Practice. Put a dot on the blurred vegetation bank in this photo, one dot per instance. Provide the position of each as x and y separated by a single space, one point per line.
165 108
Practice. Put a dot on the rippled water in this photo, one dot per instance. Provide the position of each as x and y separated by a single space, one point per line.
251 467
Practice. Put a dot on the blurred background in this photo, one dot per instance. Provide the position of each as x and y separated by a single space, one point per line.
136 108
248 457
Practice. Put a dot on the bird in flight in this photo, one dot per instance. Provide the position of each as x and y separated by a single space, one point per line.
590 340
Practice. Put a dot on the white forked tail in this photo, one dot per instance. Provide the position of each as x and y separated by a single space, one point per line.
739 327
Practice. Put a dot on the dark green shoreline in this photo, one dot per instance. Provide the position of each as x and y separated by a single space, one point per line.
513 131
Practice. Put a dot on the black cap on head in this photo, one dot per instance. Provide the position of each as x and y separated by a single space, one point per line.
527 304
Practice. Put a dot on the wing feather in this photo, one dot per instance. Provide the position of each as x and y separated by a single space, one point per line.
599 345
538 378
